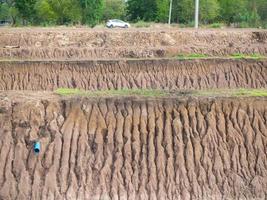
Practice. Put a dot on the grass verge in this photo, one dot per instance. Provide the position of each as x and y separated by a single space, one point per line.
191 56
244 56
233 56
121 92
242 92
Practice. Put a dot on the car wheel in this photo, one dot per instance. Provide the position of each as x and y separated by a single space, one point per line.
125 26
111 26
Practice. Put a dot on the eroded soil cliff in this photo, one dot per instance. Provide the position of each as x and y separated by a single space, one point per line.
60 43
117 74
132 148
170 147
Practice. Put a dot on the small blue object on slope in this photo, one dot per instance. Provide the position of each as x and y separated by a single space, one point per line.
37 147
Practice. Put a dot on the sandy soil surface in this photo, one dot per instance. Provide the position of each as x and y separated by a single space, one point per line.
118 74
188 148
71 43
184 147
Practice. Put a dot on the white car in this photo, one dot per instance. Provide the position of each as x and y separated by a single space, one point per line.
117 23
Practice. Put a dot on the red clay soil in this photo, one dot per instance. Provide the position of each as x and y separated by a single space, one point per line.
157 74
127 148
59 43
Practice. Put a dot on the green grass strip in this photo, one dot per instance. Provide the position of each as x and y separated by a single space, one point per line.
242 92
244 56
191 56
121 92
233 56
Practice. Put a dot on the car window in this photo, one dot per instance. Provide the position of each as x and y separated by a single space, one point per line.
116 20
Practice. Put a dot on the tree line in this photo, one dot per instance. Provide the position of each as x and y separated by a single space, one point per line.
251 13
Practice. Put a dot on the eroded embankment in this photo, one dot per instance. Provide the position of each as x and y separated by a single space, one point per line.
167 74
133 43
188 148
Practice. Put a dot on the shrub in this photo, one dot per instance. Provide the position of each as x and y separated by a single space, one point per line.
142 24
216 25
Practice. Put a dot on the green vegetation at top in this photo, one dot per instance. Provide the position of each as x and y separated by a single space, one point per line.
191 56
244 56
69 91
121 92
252 92
240 13
241 92
164 93
233 56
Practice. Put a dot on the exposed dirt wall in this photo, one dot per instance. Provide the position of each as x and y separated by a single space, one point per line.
167 74
133 148
87 53
88 44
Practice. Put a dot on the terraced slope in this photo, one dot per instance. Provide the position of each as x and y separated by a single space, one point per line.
127 148
169 145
